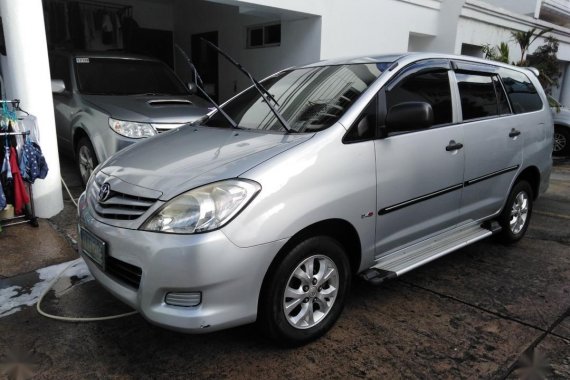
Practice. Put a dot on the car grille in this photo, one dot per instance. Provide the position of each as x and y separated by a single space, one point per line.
164 127
118 206
127 273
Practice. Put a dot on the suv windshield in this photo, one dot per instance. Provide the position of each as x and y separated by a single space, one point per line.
112 76
310 99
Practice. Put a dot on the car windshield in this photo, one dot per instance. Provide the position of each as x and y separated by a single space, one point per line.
112 76
310 99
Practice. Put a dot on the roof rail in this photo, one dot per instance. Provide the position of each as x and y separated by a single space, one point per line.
534 70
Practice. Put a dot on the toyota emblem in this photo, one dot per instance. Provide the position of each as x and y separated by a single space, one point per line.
104 192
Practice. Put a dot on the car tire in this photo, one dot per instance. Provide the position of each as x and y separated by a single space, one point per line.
515 217
85 158
296 306
561 141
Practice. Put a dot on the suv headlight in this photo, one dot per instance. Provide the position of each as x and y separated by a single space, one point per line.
203 209
132 129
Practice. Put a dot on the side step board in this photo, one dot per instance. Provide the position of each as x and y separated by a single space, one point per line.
402 261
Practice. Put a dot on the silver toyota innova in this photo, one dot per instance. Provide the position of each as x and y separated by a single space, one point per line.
370 166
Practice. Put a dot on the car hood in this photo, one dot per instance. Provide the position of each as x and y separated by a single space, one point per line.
150 109
189 156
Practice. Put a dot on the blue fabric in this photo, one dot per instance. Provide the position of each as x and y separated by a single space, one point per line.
6 164
2 198
32 164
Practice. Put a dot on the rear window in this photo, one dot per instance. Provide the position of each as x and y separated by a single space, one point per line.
521 91
481 96
111 76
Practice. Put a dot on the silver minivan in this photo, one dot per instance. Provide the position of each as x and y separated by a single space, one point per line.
371 166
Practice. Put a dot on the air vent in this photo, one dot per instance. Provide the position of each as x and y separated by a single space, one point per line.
127 273
169 102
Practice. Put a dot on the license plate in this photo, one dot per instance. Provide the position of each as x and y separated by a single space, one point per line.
93 247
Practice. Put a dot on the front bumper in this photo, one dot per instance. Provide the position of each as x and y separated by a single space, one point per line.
228 277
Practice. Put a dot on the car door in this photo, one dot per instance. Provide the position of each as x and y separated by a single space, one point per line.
64 104
492 139
420 172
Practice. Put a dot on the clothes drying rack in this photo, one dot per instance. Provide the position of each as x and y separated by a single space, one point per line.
29 215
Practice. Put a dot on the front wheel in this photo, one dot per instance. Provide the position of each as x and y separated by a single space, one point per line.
86 159
305 293
515 218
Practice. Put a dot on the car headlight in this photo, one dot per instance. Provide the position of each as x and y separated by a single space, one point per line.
132 129
203 209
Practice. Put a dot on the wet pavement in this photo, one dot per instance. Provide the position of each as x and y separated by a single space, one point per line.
486 311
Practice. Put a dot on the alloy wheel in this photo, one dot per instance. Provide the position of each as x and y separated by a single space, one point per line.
311 292
86 163
519 212
560 142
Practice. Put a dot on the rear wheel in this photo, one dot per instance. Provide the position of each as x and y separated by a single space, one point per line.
85 158
305 293
515 218
561 141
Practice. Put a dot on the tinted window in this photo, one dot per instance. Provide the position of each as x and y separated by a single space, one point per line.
521 91
504 107
59 69
310 99
478 96
107 76
432 88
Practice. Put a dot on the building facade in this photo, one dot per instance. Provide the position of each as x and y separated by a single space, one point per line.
266 36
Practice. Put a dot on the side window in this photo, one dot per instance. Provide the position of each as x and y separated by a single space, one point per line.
59 68
521 91
504 108
431 87
481 96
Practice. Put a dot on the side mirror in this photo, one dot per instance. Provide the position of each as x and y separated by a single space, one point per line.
192 88
409 116
57 86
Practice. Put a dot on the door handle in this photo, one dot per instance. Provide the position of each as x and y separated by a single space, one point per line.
453 146
514 133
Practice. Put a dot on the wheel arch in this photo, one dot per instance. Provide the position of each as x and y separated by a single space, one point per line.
530 174
338 229
78 134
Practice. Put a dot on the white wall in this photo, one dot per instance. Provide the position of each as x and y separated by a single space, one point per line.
525 7
375 26
300 41
151 14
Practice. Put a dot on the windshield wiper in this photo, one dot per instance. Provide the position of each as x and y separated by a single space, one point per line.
199 84
258 86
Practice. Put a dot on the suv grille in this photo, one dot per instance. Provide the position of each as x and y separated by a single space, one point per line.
127 273
165 127
119 206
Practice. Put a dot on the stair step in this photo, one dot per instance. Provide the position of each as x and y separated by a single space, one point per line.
409 258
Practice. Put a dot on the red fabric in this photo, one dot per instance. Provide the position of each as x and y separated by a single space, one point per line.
21 198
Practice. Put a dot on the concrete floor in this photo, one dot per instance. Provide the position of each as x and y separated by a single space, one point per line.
486 311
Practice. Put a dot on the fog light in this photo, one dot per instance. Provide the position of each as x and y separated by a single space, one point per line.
183 299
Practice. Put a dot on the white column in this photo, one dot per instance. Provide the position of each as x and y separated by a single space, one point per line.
448 19
537 8
27 77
